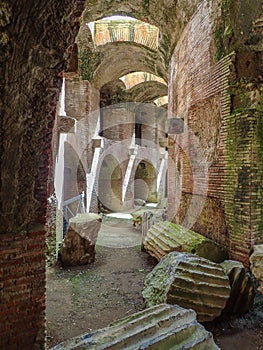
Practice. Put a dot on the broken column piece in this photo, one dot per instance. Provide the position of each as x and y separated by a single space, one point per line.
163 326
242 289
78 247
256 261
189 281
164 237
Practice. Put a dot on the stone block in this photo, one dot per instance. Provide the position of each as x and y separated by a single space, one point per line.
78 247
139 202
164 237
256 261
242 289
163 326
189 281
66 124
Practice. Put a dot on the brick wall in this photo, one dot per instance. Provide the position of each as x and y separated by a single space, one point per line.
198 93
22 292
204 91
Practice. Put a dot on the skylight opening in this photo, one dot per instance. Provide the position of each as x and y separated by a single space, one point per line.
135 78
163 100
124 28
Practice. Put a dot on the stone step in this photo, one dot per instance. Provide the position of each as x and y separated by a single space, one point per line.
164 326
189 281
164 237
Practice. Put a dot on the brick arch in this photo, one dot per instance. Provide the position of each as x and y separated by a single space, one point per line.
170 18
119 58
111 30
147 91
136 78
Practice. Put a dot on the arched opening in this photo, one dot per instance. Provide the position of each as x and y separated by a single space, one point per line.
145 185
74 174
110 185
124 28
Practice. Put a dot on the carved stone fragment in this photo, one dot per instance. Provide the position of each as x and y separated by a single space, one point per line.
242 288
163 326
189 281
164 237
78 247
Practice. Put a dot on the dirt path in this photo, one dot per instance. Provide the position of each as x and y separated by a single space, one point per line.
83 298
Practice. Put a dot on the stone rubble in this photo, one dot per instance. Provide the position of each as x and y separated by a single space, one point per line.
164 237
242 289
78 247
189 281
256 261
163 326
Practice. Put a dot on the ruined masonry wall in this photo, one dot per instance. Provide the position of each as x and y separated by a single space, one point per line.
22 265
198 93
214 86
33 40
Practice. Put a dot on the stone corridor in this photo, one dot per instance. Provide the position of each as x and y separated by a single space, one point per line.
120 103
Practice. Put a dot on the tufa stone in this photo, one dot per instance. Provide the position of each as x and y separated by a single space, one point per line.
78 247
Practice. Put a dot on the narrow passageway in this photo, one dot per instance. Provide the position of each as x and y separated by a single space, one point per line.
106 105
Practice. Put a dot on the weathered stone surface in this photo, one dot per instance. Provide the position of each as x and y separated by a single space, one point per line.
78 247
189 281
242 289
164 237
159 327
256 261
137 215
125 57
66 124
140 202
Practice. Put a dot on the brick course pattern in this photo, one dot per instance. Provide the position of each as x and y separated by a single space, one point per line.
217 107
22 295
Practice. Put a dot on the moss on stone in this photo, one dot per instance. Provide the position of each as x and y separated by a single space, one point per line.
223 31
260 165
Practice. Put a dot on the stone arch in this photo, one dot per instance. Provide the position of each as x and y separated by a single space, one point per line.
147 91
119 58
145 182
110 184
74 182
74 173
169 17
112 92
